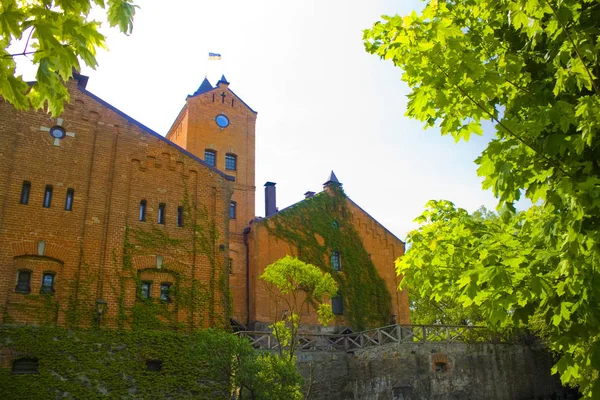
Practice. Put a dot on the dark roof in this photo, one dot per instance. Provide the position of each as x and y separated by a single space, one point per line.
332 179
155 134
323 193
223 80
270 184
204 87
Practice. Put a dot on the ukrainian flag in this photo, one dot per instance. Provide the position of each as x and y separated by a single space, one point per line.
214 56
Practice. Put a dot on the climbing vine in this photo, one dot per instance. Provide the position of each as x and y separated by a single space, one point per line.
321 225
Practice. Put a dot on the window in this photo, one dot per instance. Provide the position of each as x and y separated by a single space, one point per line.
161 213
337 305
48 196
230 265
231 162
143 210
154 365
25 190
25 366
47 283
441 367
336 262
146 290
164 292
180 216
232 210
210 157
69 199
23 282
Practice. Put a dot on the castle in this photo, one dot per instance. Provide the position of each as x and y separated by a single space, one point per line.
104 221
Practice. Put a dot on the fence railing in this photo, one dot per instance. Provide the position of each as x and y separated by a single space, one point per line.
383 336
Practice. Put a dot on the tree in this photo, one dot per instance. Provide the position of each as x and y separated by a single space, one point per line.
56 34
531 68
296 284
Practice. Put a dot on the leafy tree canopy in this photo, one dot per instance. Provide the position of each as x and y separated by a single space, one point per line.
531 68
56 35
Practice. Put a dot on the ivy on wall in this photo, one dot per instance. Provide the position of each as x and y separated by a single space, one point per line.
89 364
322 224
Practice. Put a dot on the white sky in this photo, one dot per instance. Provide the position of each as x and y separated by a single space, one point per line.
323 103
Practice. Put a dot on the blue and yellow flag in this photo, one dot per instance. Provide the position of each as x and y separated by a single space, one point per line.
214 56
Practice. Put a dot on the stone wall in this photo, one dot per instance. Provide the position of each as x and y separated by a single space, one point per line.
434 371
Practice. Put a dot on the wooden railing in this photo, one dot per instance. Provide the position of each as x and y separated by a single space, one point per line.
383 336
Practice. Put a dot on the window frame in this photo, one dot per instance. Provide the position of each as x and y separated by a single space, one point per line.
25 193
48 191
230 157
339 301
17 287
143 209
336 258
232 210
162 210
149 293
69 199
214 155
168 298
45 289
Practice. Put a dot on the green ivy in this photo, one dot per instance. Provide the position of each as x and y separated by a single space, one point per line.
367 302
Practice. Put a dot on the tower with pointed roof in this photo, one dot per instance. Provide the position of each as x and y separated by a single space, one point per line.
217 126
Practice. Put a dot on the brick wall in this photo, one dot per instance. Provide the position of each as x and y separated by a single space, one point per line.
112 163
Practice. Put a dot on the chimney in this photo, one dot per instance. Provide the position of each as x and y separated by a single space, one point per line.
309 195
270 199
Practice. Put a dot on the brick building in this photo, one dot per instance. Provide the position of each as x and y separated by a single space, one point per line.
104 220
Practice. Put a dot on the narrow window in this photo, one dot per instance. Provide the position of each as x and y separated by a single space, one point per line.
336 262
69 199
48 196
23 282
232 210
146 289
213 98
25 366
231 162
210 157
180 216
143 210
161 213
230 265
232 102
164 292
47 283
337 305
25 190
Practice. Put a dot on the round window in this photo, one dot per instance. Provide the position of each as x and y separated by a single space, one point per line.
222 121
57 132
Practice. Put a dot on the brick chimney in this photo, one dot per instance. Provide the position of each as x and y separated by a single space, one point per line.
270 199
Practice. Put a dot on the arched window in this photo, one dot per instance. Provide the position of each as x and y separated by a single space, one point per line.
336 261
230 162
143 210
210 157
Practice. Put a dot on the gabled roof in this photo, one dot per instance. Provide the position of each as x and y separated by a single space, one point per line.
153 133
324 193
206 87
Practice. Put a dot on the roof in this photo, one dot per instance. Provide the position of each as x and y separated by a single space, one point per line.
332 179
323 193
204 87
153 133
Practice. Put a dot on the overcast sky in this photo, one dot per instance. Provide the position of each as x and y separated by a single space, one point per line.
323 103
